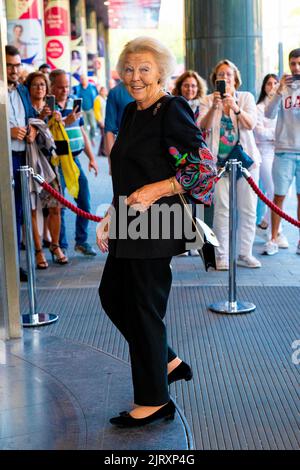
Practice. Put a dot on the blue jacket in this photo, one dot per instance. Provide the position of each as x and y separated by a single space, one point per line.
30 112
117 100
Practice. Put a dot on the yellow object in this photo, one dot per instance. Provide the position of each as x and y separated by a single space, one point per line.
98 109
69 168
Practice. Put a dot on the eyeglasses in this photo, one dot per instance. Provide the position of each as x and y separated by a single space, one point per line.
225 74
189 86
38 85
14 66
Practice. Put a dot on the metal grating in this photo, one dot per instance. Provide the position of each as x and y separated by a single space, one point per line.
245 391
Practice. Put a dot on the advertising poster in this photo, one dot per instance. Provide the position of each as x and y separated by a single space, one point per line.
91 49
78 61
25 29
57 31
24 9
27 37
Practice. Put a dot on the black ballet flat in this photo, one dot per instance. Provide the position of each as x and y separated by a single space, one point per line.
183 371
125 420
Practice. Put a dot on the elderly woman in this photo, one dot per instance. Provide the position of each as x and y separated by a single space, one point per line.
225 121
192 87
159 153
38 86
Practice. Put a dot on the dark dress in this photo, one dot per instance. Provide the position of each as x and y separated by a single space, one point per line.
152 145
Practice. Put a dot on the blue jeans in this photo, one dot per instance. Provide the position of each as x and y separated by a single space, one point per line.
83 202
18 160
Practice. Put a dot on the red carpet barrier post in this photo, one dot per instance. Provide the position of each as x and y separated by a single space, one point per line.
232 305
32 318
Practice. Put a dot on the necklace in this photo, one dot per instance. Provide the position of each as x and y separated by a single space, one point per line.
154 99
38 108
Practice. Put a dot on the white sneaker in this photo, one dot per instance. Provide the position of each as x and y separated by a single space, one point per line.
282 241
194 253
248 262
222 264
262 232
298 248
270 248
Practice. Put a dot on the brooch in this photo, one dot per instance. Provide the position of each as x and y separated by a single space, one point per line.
156 108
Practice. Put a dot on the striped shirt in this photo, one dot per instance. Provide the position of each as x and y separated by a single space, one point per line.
73 130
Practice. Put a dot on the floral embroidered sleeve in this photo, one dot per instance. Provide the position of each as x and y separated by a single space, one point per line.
192 161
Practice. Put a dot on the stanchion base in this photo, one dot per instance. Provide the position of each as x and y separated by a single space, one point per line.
38 319
232 307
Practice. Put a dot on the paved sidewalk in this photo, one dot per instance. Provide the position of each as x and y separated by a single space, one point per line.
244 394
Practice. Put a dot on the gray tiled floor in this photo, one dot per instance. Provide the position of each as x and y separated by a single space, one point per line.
57 394
282 270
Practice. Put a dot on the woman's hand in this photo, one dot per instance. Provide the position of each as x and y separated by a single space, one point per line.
102 233
229 102
31 134
57 116
144 197
217 102
46 111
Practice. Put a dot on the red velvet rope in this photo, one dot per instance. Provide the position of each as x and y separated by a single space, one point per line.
271 204
68 204
250 180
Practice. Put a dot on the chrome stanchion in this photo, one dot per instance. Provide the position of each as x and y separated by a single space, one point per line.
32 318
232 305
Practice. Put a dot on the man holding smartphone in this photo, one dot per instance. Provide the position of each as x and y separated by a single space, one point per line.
286 106
78 141
87 92
20 110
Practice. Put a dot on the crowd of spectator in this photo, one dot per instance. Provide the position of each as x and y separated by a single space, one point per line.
52 126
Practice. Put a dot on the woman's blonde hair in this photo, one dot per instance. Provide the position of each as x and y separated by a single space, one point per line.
237 74
164 58
201 83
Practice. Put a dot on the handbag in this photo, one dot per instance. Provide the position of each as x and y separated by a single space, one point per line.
239 154
206 239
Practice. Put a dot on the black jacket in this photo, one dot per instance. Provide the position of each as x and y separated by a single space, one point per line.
142 154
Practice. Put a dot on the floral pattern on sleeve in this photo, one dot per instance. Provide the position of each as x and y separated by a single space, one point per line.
196 173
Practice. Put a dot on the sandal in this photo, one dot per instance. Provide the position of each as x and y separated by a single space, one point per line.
41 262
57 254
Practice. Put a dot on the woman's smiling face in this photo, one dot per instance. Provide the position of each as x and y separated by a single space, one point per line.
141 76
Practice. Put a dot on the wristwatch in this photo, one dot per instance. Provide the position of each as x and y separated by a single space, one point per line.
238 112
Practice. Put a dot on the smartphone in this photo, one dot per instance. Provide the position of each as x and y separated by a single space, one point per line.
50 102
295 77
77 103
221 87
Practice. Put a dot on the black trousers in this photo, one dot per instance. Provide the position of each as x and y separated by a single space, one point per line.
134 293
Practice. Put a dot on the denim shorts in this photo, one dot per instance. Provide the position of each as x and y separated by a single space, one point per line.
285 167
